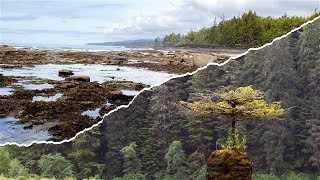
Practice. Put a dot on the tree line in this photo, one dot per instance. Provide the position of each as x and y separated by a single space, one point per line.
247 30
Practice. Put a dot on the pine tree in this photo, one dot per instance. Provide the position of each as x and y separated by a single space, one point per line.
176 162
4 161
55 166
85 152
132 163
17 169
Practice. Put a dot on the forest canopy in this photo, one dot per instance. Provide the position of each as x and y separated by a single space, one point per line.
246 30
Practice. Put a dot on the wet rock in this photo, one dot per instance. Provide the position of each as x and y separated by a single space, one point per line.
78 78
200 60
67 85
118 61
9 66
6 80
119 85
65 72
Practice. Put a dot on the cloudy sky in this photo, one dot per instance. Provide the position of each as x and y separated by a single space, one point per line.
83 21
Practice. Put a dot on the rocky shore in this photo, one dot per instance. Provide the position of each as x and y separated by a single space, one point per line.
178 62
76 101
66 111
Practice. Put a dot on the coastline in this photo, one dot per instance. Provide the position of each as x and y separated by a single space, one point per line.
28 75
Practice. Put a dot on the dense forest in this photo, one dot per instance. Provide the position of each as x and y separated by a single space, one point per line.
247 30
158 138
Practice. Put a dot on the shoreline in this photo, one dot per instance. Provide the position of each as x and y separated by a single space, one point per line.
79 96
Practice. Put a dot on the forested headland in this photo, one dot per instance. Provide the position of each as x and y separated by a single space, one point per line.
247 30
157 138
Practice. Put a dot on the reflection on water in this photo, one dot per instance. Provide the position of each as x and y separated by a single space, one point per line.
92 113
129 92
5 91
97 72
11 132
27 85
47 99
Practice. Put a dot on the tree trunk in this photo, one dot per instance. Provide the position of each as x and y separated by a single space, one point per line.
233 133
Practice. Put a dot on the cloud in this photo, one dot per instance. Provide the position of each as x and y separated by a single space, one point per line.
18 18
231 8
178 17
130 19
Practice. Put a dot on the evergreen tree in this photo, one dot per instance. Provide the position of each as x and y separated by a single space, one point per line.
17 169
240 104
4 161
196 165
55 166
247 30
132 163
176 161
85 149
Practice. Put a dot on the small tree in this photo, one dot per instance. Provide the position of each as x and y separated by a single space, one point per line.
17 169
132 163
4 161
241 104
55 166
176 161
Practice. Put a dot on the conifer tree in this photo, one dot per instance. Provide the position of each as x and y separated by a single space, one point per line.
55 166
4 161
176 162
241 104
85 150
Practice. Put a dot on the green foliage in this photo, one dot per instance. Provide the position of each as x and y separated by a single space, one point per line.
133 176
17 169
84 152
249 29
176 161
288 176
157 41
241 145
132 164
258 176
4 161
172 40
240 104
195 167
55 166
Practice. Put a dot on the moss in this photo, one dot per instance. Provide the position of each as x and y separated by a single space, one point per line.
229 164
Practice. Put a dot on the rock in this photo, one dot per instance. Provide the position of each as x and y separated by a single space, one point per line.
67 85
200 60
65 72
115 92
78 78
119 85
229 164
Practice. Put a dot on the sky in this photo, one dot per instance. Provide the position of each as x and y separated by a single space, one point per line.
84 21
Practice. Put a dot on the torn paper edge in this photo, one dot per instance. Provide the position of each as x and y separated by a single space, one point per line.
149 88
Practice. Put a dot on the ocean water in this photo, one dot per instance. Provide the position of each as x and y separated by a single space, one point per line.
11 132
76 47
96 72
